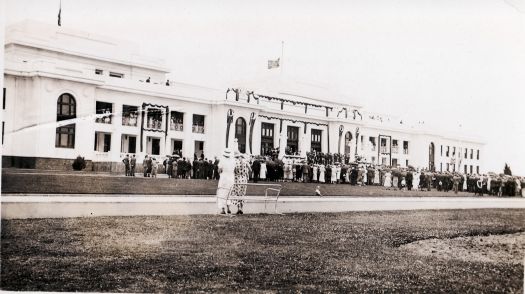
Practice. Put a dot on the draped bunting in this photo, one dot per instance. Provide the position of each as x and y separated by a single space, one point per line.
293 120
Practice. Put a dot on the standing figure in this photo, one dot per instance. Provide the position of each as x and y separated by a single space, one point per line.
321 173
388 180
126 164
242 172
226 169
154 167
132 164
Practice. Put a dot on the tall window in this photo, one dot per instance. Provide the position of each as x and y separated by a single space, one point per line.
198 123
372 143
466 152
471 153
395 147
441 150
405 147
240 134
266 138
176 121
316 140
130 115
104 112
292 145
154 119
66 109
348 140
477 156
448 151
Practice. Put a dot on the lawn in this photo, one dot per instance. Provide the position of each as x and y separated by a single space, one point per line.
48 182
321 252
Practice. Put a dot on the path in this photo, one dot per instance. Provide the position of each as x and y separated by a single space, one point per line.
51 206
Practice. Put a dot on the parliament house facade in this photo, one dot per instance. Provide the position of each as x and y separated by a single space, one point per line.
69 93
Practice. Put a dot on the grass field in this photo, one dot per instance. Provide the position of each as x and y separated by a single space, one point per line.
48 182
331 252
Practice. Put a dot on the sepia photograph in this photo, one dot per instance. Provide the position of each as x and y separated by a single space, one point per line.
176 146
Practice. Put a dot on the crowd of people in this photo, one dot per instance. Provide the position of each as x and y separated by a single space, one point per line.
333 169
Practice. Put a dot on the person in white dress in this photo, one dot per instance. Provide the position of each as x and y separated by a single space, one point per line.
333 175
347 175
388 180
415 181
314 170
377 180
337 173
321 173
365 176
226 169
464 183
262 175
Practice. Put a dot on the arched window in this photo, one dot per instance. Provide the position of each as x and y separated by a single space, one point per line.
240 133
66 109
348 139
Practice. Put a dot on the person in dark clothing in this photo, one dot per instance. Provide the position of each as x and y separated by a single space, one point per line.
256 168
409 179
126 165
216 169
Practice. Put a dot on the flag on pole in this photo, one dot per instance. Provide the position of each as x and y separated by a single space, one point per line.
273 63
59 15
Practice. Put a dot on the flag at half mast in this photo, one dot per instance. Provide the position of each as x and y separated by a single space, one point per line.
274 63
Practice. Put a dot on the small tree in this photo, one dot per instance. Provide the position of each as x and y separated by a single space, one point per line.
507 170
79 163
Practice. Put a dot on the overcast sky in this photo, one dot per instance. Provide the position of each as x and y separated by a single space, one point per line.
448 62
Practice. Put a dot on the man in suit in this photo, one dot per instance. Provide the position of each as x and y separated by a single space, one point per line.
126 164
256 168
409 179
145 165
132 164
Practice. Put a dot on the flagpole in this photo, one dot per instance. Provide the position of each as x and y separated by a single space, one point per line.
282 57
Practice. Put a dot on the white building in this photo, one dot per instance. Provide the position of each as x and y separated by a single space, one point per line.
70 93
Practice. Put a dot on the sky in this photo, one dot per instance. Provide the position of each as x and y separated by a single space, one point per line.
447 62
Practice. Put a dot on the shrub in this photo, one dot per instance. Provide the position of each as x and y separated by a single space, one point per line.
79 163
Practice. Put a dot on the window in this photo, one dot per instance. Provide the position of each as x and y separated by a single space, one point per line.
477 154
466 152
293 140
154 119
240 134
104 112
362 146
405 147
102 142
394 162
3 129
66 110
99 71
395 147
471 169
316 140
406 163
448 167
198 124
348 140
448 151
384 148
3 100
465 168
130 115
372 143
441 166
266 138
471 153
441 150
477 169
129 144
116 75
176 121
453 151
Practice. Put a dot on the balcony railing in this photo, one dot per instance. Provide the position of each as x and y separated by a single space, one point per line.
176 127
383 149
104 119
129 120
154 124
197 129
395 149
405 151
